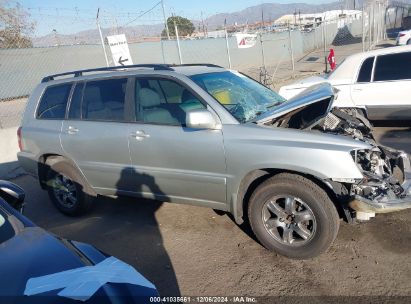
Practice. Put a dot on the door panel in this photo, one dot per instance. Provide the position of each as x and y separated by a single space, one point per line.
172 162
95 134
178 164
385 100
100 149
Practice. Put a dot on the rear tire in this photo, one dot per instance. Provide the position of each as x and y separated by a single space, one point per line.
66 188
293 216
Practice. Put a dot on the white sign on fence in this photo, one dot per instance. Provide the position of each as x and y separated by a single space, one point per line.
245 40
119 50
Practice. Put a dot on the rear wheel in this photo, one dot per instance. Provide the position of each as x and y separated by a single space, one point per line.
293 216
66 188
409 42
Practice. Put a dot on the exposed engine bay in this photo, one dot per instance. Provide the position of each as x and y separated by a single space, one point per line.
385 170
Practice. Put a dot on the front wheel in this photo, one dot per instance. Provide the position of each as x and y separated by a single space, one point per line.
293 216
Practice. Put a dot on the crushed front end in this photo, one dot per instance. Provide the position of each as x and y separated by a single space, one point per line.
386 183
386 186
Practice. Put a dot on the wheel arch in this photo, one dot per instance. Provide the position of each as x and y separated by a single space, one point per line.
254 178
45 162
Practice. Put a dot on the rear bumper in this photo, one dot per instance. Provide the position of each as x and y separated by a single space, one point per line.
386 205
28 162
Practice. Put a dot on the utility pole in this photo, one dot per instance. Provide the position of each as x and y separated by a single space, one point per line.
101 37
262 20
165 19
202 21
295 17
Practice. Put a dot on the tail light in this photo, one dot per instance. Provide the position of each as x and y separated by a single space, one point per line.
402 35
19 139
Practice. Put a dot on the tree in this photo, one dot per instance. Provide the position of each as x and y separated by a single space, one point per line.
15 26
185 26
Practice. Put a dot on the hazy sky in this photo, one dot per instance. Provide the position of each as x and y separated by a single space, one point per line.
75 15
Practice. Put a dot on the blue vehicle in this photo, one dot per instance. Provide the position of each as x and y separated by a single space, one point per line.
38 267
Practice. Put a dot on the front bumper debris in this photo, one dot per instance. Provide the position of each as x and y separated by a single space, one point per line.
366 208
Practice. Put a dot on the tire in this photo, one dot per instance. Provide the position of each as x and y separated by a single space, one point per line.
64 181
304 233
409 42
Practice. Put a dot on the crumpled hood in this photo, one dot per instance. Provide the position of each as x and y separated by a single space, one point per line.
314 94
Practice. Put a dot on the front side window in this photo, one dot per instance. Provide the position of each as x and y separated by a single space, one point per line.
243 97
104 100
53 103
393 67
164 101
366 70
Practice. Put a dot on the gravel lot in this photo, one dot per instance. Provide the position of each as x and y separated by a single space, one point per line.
187 250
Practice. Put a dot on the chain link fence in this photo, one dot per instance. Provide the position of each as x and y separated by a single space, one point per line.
282 52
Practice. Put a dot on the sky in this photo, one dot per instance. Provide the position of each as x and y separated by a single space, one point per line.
70 16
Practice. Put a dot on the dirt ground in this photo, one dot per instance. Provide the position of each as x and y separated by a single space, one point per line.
193 251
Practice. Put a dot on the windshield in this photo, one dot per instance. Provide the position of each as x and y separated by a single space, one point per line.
243 97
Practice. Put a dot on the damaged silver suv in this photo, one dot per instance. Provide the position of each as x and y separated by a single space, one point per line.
207 136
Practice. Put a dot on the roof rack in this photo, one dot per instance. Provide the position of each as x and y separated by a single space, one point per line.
210 65
79 73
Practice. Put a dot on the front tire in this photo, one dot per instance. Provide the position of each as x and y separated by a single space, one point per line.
67 188
293 216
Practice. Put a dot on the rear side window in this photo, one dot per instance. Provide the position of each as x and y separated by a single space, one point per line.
366 70
53 103
393 67
104 100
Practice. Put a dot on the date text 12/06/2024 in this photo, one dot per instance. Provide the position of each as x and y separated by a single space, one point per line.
235 299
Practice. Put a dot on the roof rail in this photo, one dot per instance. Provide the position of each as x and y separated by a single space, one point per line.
79 73
210 65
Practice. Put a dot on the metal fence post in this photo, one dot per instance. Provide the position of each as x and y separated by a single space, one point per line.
291 50
363 29
178 43
325 47
228 48
101 37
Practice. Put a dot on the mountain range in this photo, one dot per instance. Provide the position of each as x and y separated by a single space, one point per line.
268 11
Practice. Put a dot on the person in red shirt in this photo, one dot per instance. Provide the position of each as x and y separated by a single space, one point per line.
331 59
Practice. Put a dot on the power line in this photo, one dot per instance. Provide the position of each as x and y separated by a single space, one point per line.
146 12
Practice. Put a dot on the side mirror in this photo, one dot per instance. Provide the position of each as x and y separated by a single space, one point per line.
200 119
12 194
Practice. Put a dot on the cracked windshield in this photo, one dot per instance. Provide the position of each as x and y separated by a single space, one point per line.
243 97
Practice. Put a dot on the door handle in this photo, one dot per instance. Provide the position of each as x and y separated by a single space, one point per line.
139 135
72 130
358 89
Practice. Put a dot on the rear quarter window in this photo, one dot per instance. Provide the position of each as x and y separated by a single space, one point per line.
393 67
53 103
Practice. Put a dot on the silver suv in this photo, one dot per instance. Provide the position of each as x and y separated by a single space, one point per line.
207 136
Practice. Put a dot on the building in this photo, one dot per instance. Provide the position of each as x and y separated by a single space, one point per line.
318 18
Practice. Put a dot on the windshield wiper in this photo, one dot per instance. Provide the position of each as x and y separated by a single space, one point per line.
273 105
